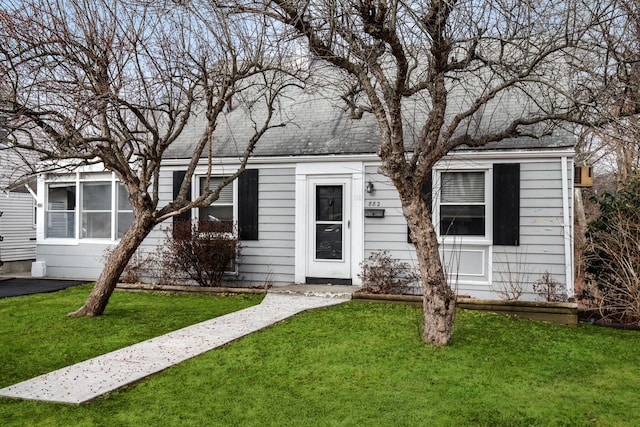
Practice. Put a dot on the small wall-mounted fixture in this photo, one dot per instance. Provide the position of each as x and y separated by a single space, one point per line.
374 213
583 176
370 188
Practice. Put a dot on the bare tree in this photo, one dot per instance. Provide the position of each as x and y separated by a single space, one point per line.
114 83
471 72
612 141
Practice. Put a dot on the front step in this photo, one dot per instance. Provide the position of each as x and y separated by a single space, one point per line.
326 291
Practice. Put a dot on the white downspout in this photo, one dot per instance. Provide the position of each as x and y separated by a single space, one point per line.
567 229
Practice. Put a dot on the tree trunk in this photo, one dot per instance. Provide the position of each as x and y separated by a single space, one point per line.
581 218
439 300
113 268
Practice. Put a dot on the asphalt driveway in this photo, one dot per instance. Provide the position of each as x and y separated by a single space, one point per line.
27 286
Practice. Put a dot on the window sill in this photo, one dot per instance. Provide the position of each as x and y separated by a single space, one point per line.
75 242
464 240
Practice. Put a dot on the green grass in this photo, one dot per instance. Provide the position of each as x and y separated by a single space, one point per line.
355 364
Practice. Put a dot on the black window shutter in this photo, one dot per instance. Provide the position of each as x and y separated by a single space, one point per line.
178 177
427 195
506 204
248 205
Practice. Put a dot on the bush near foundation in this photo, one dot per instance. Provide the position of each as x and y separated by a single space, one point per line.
382 274
202 252
612 255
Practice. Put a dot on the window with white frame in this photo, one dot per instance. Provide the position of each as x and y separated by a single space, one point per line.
94 203
96 210
462 203
220 211
61 209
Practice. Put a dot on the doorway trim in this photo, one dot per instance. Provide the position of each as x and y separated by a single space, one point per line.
305 171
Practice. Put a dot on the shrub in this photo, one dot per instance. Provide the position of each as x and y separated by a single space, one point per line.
202 252
549 289
382 274
612 254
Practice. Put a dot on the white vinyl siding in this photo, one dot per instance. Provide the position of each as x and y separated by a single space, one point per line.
541 229
474 266
271 258
16 227
478 268
78 261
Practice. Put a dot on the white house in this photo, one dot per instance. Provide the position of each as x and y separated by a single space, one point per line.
312 204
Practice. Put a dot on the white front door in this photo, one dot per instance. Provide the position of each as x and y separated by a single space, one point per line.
329 228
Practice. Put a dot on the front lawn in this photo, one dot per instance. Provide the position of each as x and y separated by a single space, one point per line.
354 364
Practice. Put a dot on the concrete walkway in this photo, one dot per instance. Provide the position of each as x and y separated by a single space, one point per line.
95 377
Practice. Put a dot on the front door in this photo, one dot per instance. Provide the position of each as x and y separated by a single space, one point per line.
329 229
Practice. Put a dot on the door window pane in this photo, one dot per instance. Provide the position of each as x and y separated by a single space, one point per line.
329 222
328 241
329 203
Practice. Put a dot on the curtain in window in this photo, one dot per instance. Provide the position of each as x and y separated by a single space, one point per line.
462 187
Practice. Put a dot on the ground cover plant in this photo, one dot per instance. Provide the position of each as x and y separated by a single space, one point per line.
355 364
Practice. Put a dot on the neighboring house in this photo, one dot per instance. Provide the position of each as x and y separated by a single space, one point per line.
17 216
312 205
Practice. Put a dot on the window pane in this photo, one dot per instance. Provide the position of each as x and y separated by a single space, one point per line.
60 215
462 187
123 199
96 196
216 213
462 220
61 224
226 194
328 241
125 219
329 203
61 197
96 225
219 212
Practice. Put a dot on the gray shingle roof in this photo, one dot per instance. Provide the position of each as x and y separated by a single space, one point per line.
316 123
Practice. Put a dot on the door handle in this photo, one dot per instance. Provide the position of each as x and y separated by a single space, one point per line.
348 223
